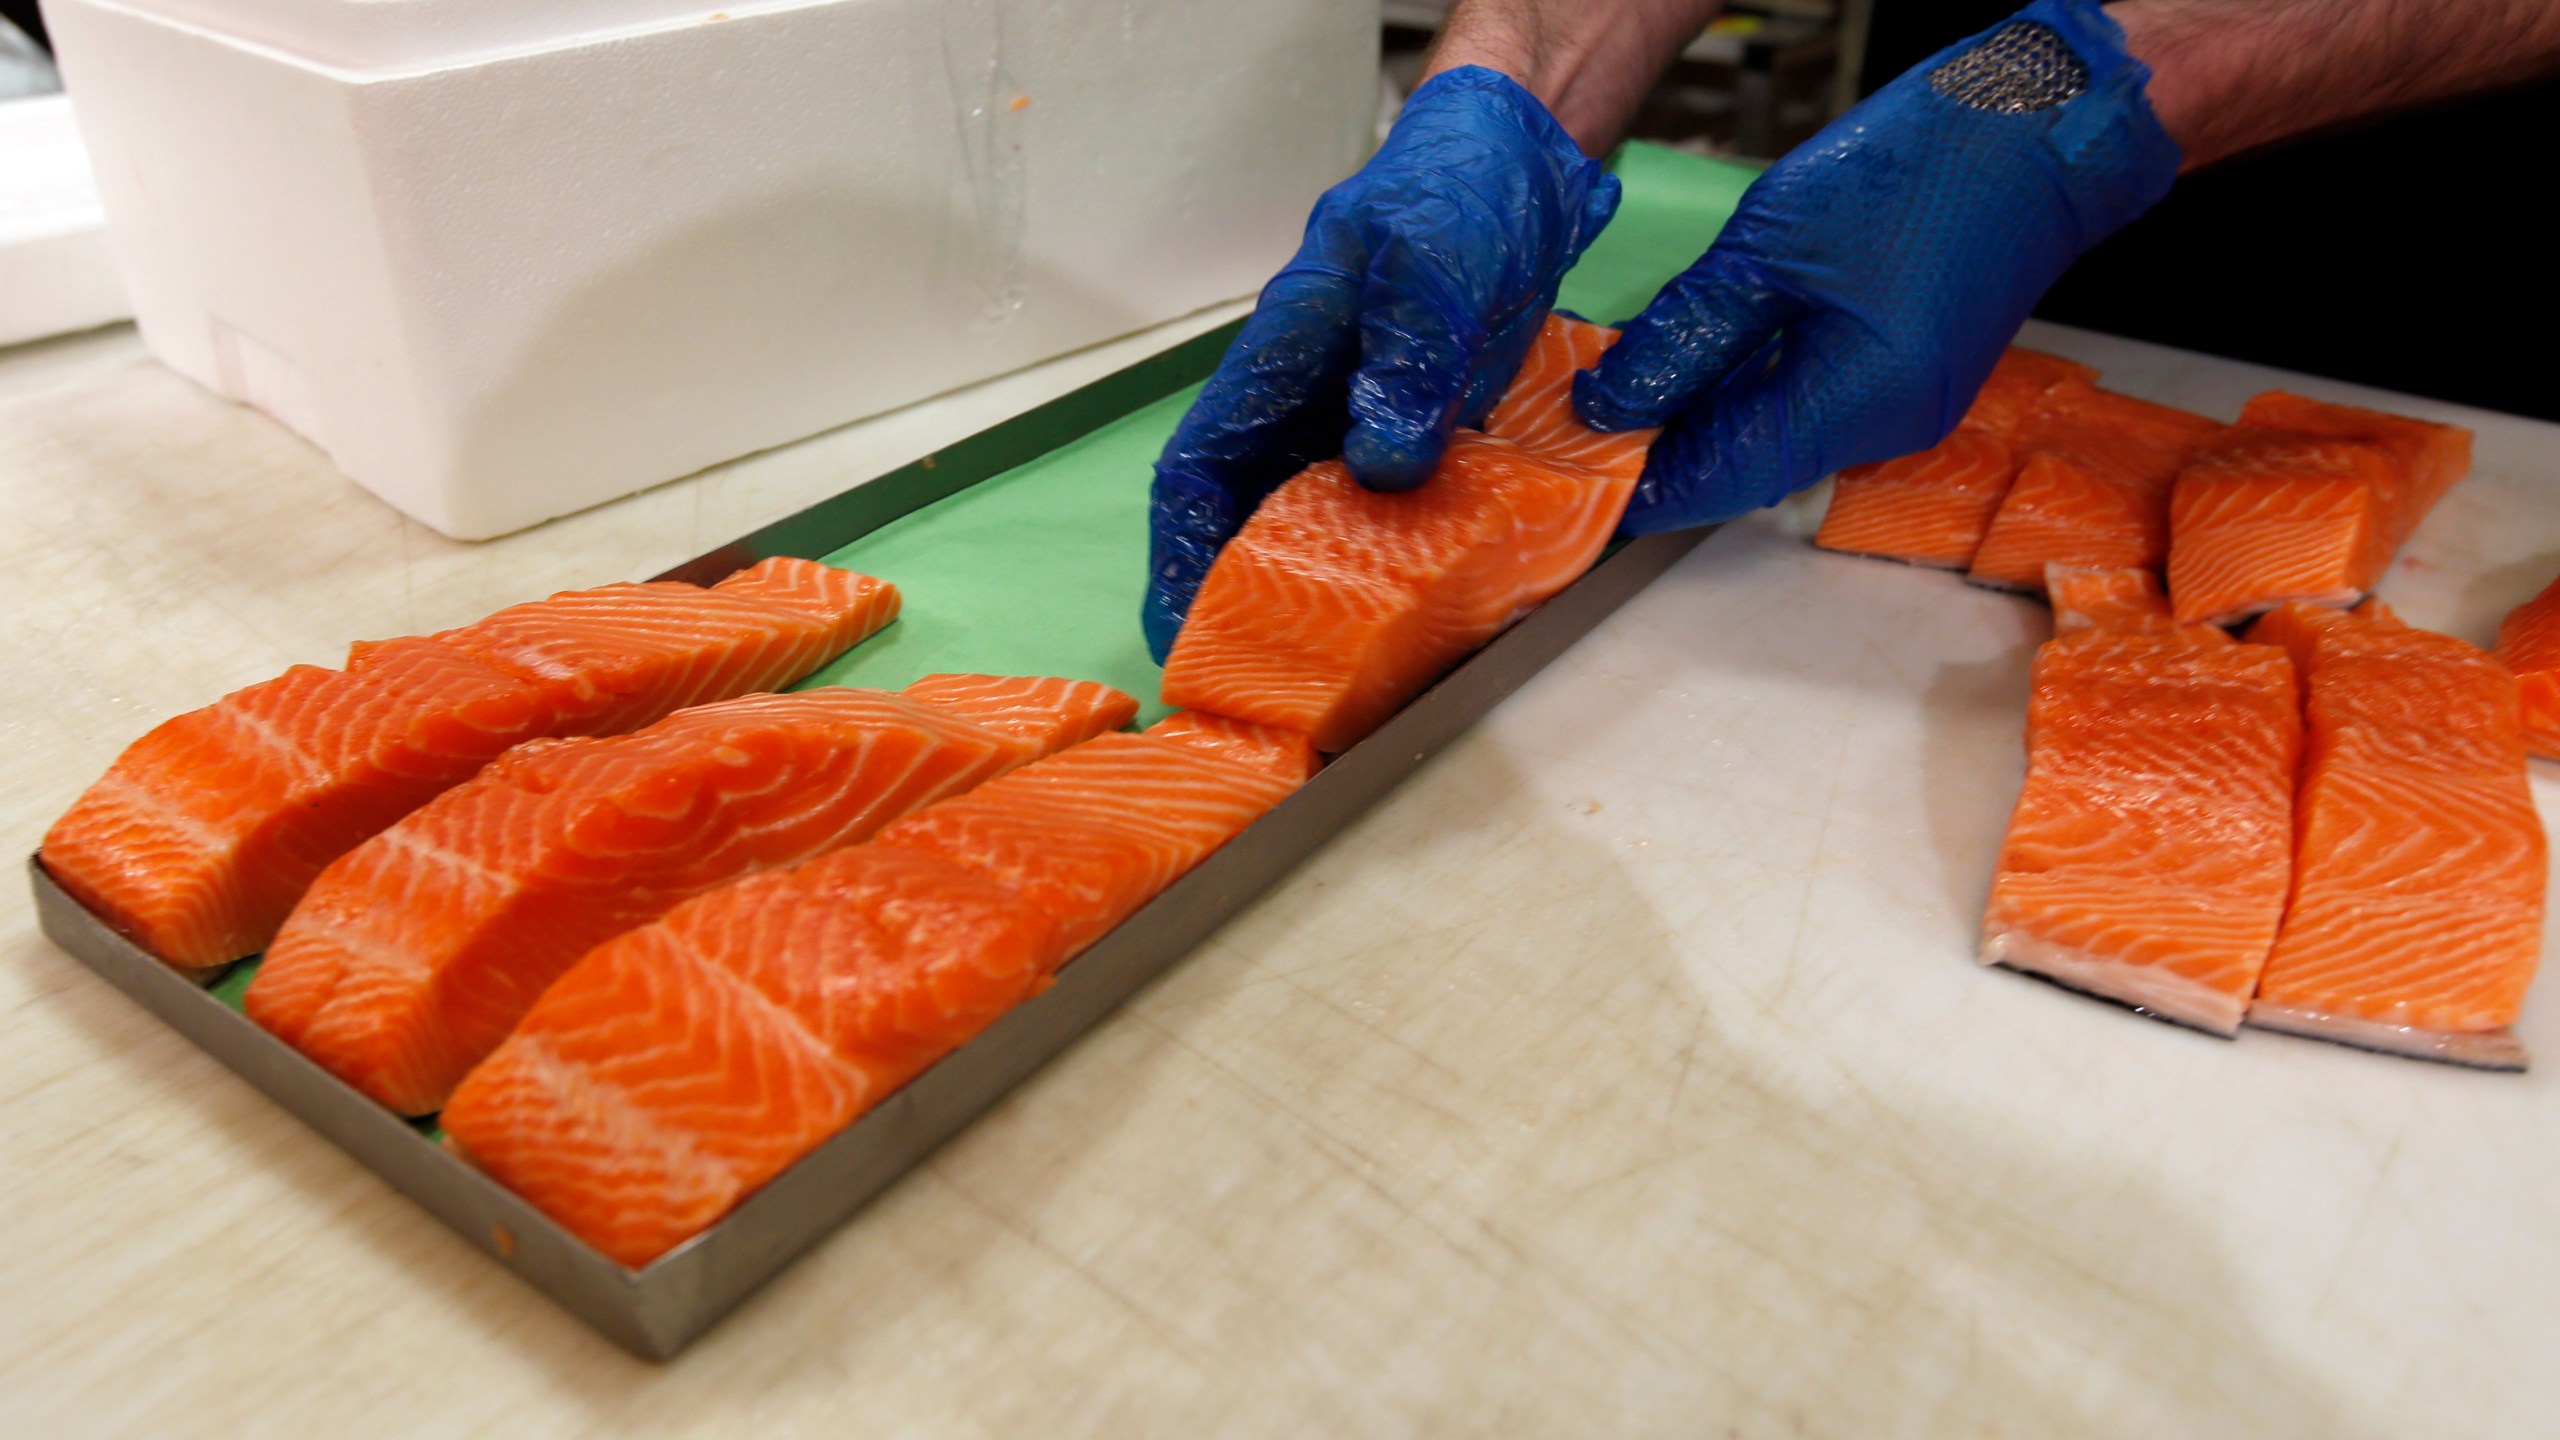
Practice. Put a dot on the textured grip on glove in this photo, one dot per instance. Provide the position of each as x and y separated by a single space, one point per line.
2017 69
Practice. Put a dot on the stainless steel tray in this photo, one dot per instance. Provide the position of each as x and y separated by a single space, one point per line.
657 1310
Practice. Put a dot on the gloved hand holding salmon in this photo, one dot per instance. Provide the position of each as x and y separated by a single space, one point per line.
1337 604
1420 286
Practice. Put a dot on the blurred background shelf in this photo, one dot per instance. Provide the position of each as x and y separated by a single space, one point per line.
1761 78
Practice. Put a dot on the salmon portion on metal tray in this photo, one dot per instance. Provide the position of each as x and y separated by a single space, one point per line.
1536 411
2416 920
2149 854
413 955
1335 605
1282 752
679 1067
200 838
1932 507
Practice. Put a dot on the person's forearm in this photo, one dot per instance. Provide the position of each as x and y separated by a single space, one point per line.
2229 76
1590 61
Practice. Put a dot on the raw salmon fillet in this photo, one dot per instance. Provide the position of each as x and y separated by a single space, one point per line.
1932 507
1537 414
2086 599
625 655
2529 646
201 836
2303 500
2416 919
2148 857
681 1066
2262 517
2019 382
2092 487
1929 508
1335 605
413 955
1091 838
1285 753
2432 457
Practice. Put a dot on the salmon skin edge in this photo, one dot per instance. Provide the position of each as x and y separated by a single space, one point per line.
2495 1050
2012 948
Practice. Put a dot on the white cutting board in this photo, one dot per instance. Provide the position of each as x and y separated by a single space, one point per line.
1626 1073
1906 1195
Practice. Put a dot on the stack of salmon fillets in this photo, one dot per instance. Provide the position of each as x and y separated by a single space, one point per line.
2322 826
643 933
206 831
2296 500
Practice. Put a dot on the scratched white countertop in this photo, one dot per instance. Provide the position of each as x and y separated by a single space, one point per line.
1625 1073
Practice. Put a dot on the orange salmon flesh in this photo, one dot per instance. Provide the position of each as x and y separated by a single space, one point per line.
2092 488
677 1068
2303 501
204 833
2416 919
2151 848
1335 605
414 954
2529 646
1933 507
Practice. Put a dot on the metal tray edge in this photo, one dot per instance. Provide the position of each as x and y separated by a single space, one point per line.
475 1207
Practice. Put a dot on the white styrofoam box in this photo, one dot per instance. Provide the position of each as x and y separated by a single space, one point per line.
505 259
56 274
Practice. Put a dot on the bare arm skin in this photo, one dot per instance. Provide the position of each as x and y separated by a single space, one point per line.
1590 62
2229 76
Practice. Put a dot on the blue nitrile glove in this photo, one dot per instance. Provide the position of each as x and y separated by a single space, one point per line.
1864 287
1418 289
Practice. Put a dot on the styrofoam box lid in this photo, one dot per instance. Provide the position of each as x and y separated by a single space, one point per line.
417 35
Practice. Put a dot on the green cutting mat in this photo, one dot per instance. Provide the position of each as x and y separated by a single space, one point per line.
1674 205
1040 570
